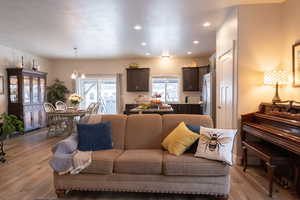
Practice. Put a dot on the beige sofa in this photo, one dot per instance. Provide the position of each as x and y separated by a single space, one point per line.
139 164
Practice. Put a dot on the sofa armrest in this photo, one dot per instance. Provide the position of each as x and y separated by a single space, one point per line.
66 146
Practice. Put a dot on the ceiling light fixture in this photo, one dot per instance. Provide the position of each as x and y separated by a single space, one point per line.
165 57
196 42
75 74
206 24
147 54
137 27
144 44
189 52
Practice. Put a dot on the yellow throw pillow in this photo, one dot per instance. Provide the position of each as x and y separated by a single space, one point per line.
179 140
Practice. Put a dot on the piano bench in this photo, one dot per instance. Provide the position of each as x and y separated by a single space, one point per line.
271 157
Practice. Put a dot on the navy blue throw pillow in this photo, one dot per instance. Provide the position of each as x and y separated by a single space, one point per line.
193 147
94 137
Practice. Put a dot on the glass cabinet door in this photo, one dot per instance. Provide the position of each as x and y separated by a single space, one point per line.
26 85
13 89
35 90
42 85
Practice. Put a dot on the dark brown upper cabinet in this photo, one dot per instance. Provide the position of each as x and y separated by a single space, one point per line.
193 77
138 79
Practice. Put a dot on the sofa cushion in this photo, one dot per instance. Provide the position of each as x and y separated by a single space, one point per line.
118 126
193 147
171 121
94 137
139 161
143 131
103 161
188 165
179 140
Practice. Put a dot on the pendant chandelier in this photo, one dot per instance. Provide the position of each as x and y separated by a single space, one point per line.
75 73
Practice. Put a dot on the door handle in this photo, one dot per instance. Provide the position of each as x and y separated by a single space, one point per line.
219 107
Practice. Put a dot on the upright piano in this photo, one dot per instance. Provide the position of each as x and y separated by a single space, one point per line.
277 125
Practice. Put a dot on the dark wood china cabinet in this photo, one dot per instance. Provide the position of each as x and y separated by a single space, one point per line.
26 95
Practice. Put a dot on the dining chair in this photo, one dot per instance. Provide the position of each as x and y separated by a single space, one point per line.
61 105
90 108
54 121
96 108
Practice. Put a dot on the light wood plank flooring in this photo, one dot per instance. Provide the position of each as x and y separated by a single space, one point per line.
27 176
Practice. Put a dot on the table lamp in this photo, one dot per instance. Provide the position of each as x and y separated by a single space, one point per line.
276 77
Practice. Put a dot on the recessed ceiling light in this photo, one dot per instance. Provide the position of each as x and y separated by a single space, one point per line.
189 52
206 24
147 54
196 42
143 43
137 27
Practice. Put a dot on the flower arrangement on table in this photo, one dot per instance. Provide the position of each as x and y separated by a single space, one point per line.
75 99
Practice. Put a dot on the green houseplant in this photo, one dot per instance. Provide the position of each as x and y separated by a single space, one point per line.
11 124
57 92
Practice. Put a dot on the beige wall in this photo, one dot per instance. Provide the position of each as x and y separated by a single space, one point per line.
266 35
10 57
62 70
290 36
260 37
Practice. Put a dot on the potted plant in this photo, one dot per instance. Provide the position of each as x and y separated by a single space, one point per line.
10 125
57 92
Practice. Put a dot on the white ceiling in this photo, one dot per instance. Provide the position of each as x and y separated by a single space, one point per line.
104 28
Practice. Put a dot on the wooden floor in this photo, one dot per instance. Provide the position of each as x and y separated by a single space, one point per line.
27 176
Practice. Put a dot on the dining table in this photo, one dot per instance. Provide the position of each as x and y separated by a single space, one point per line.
69 115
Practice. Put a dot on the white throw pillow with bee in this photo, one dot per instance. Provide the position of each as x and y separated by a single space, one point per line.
216 144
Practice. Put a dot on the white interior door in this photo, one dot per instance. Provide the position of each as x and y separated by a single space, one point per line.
225 86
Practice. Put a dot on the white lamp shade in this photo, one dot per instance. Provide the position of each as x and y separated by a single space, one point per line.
276 76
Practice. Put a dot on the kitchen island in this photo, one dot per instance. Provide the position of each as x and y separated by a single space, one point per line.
183 108
163 111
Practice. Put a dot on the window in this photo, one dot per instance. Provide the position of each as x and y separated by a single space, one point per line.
168 87
99 89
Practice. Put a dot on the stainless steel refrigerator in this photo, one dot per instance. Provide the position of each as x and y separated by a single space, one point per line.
209 93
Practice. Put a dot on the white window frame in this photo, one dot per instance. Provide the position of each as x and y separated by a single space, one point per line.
97 77
168 76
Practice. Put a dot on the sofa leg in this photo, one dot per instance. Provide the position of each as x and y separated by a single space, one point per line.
60 193
225 197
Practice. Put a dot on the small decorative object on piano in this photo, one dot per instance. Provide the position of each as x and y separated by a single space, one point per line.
276 77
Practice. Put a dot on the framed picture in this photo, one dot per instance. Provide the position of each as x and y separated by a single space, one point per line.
296 65
1 84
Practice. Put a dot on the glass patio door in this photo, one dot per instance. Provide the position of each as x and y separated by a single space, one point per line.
103 90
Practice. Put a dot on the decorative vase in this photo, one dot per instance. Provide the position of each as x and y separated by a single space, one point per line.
75 105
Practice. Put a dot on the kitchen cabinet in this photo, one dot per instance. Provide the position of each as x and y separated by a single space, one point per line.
192 78
26 96
138 79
